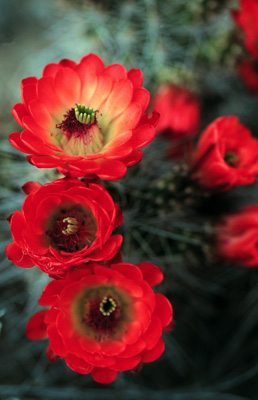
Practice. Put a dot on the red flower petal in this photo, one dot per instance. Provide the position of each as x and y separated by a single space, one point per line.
48 96
152 118
17 256
143 314
133 332
31 187
117 72
136 77
154 332
99 360
28 81
67 63
102 91
68 86
51 70
36 328
51 292
142 97
153 354
104 375
111 169
109 250
112 348
151 273
125 364
28 93
130 271
51 356
163 309
78 364
15 140
119 216
19 111
134 158
56 341
18 223
133 349
128 119
40 113
142 135
32 142
119 98
89 81
94 60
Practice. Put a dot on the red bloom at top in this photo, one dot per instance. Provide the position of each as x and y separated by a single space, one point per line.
225 156
179 111
247 20
103 320
64 224
84 118
237 237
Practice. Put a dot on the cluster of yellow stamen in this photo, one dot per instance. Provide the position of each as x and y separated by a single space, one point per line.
107 306
72 226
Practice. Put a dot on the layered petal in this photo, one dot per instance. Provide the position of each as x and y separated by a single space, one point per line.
99 322
84 118
225 156
64 224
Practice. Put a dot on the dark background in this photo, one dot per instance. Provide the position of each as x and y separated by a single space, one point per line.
213 352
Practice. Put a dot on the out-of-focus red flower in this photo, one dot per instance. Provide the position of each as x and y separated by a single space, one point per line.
84 118
237 237
179 111
225 156
247 20
248 70
64 224
103 320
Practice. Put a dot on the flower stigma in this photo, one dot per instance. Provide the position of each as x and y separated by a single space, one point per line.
107 306
85 115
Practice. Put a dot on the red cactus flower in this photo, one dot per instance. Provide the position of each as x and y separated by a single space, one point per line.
62 225
248 71
179 111
103 320
237 237
247 20
226 156
84 118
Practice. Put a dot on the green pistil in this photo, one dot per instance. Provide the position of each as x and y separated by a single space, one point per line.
83 114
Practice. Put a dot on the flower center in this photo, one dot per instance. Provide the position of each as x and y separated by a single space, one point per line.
102 312
79 133
72 230
231 159
102 316
78 121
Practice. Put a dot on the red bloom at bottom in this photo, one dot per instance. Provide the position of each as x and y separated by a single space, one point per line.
103 320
